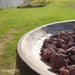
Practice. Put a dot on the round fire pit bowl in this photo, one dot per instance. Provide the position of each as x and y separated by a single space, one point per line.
29 58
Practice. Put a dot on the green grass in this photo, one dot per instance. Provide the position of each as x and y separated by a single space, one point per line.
15 22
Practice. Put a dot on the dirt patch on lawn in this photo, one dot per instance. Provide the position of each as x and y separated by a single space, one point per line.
70 4
6 37
1 48
73 5
1 53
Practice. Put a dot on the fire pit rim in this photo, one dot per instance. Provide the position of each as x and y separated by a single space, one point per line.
19 49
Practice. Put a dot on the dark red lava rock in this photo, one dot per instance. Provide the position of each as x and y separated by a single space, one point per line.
71 43
69 70
71 50
46 43
56 59
73 58
59 49
46 53
63 71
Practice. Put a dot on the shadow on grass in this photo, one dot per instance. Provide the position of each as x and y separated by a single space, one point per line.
31 6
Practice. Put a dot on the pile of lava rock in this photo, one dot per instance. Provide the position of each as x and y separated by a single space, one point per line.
59 50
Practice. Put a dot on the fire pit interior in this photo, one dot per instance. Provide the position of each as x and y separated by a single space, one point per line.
30 45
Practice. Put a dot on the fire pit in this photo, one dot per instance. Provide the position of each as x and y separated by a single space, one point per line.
28 49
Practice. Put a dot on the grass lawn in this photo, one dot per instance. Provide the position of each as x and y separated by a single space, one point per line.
15 22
